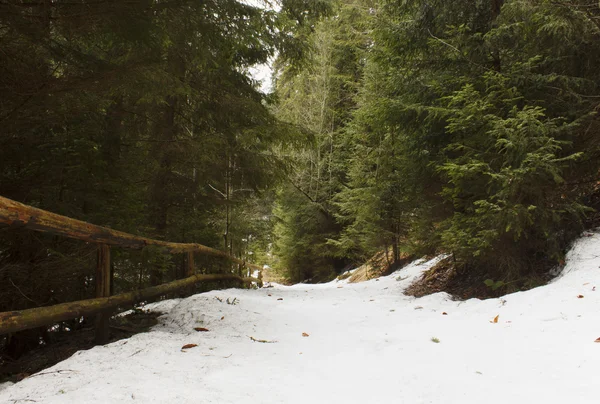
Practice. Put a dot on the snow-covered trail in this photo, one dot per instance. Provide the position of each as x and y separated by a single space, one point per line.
366 343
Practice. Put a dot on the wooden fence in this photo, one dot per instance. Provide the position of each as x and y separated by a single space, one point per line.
17 215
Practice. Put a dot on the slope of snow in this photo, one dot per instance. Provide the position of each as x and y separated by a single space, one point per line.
366 343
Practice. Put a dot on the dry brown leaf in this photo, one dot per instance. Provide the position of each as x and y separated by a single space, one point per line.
444 313
580 296
188 346
305 334
269 294
201 329
597 340
495 320
223 318
281 298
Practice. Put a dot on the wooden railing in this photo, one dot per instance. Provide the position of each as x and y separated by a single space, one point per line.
17 215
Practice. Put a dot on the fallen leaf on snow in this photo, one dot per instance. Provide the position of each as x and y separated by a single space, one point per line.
495 320
580 296
305 334
201 329
281 298
223 318
444 313
188 346
597 340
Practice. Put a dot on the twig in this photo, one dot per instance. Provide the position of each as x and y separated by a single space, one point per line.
135 353
463 55
263 341
444 42
218 356
216 190
23 294
54 371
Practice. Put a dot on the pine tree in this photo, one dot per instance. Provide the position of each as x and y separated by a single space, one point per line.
469 144
319 99
130 115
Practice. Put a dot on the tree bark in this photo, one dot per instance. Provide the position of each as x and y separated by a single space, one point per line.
103 275
17 215
496 8
13 321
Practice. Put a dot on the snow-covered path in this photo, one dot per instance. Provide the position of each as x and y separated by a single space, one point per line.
366 343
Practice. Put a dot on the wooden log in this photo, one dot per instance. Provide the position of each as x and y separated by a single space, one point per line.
103 290
13 321
190 268
18 215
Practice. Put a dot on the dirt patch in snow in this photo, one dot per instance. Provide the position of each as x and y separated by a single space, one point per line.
466 283
443 277
373 268
272 275
381 264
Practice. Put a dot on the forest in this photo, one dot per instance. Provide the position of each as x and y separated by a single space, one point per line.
415 127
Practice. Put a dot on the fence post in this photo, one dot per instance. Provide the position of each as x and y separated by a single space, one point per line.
190 270
103 290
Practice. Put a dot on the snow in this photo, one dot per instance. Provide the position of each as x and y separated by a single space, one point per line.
366 343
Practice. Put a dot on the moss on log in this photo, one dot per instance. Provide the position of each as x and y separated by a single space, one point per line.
13 321
18 215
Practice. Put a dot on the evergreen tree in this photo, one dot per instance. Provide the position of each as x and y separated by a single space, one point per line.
468 144
141 116
319 99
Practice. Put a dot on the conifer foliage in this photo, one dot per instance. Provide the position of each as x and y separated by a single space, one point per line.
416 126
473 132
139 115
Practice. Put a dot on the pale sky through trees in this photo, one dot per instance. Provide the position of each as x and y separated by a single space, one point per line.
263 72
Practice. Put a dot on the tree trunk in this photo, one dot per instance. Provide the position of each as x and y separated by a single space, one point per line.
103 276
496 8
